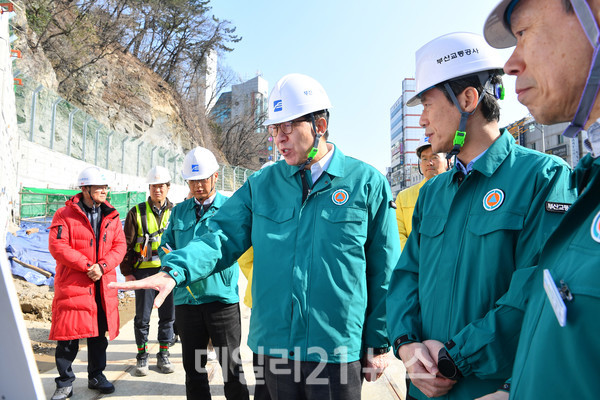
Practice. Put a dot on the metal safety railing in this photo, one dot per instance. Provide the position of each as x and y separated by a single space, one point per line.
43 117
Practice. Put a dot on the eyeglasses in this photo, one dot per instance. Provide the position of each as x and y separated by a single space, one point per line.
198 181
432 158
285 127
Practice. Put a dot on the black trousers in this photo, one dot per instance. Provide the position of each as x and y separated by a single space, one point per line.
144 301
306 380
261 392
66 350
220 322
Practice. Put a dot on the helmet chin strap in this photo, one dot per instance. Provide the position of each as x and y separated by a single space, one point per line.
315 149
461 133
592 85
94 204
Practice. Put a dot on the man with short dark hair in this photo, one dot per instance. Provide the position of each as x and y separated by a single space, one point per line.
477 229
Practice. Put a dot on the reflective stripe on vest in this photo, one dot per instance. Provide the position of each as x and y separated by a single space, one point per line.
151 237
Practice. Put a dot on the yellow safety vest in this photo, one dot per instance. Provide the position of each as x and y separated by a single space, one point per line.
149 233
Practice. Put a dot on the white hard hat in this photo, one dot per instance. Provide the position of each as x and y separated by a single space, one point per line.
452 56
92 176
158 175
295 95
199 163
423 143
497 28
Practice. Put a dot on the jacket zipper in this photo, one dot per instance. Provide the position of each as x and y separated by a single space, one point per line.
458 260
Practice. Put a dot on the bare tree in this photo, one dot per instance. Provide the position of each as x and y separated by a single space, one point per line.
241 140
173 37
73 35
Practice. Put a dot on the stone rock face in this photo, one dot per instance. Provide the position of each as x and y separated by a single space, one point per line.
118 91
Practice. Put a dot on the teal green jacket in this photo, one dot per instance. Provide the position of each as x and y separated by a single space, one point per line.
321 269
470 241
182 228
555 362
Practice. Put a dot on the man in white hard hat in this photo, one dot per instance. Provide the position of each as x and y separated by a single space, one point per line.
87 242
143 228
430 165
322 226
556 62
477 230
209 308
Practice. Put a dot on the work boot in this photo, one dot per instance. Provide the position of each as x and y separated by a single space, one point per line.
101 384
141 368
163 363
61 393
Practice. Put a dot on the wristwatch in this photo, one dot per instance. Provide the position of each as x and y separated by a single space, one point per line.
447 366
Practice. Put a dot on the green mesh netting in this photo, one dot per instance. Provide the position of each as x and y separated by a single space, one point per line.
40 204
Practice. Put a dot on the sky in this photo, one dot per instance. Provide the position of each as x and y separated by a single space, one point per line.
360 51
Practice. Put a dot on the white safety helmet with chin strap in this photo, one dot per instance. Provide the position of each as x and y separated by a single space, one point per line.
454 56
199 163
92 176
296 95
158 175
497 32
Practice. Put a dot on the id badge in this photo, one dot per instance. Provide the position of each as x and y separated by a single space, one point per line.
558 304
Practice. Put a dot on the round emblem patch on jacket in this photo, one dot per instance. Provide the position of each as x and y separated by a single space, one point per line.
339 197
493 199
596 228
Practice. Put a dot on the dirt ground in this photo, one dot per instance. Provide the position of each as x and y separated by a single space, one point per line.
36 305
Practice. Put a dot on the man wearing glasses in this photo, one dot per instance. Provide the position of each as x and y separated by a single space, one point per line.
87 242
325 239
208 308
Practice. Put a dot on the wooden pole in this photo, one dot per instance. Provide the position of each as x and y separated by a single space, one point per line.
33 267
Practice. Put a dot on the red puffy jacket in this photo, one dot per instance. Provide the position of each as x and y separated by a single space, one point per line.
72 243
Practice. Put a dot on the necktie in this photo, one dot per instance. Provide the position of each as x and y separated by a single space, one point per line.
306 188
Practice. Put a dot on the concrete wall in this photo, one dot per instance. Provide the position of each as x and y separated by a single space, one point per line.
8 127
38 166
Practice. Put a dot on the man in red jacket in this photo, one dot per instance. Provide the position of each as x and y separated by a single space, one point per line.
87 242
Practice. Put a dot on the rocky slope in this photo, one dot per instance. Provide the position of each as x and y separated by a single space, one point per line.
118 91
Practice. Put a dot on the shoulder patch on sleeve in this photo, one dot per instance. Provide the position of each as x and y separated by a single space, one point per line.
392 204
557 207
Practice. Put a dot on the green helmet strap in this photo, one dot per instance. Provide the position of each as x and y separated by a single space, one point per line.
461 133
315 149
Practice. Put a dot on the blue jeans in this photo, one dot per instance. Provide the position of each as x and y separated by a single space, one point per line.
196 324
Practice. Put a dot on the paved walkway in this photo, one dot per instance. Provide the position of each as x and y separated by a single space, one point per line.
121 365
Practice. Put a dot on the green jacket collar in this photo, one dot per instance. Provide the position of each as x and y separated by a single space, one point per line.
335 168
217 203
493 157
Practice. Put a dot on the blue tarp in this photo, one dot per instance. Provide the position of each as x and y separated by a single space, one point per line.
33 249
